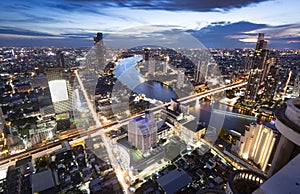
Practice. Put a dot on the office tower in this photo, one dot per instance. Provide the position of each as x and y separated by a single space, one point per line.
146 55
175 105
149 62
257 144
288 124
60 59
142 132
200 72
180 78
98 38
258 70
2 121
98 63
296 89
271 80
61 95
212 70
165 64
201 59
151 67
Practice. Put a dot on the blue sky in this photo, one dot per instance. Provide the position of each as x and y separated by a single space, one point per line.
215 23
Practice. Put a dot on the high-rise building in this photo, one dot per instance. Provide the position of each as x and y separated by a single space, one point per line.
146 55
257 144
175 105
271 80
61 95
284 172
149 62
288 124
296 89
98 38
165 64
151 67
180 78
142 132
98 63
60 60
200 72
258 70
2 121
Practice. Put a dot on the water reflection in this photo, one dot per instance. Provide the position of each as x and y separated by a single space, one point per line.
212 113
156 90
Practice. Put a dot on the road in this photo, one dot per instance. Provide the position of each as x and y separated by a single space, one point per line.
51 146
92 130
112 158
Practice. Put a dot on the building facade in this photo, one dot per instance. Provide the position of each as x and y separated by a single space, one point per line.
142 132
257 144
258 69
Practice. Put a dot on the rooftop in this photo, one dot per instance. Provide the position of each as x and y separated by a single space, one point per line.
174 181
42 181
194 126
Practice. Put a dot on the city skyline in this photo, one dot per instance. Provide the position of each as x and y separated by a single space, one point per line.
230 24
119 138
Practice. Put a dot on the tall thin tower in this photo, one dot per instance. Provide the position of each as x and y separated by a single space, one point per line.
99 62
258 69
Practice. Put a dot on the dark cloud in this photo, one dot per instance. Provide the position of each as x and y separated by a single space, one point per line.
176 5
217 35
229 35
40 42
81 35
16 31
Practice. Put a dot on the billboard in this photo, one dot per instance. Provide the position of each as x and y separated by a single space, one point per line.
58 90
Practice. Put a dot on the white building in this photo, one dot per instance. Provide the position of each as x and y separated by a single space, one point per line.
191 132
165 64
142 132
257 144
180 78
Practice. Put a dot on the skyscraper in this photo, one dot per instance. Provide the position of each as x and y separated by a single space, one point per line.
142 132
272 79
200 72
165 64
60 60
2 121
296 89
98 38
180 78
98 63
61 95
258 70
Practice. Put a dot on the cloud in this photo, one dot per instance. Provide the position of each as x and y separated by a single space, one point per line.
220 35
16 31
176 5
244 34
216 35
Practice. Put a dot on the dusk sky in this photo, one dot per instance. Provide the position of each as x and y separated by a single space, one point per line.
215 23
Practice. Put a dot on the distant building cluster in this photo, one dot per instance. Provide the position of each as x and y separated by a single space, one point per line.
159 145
